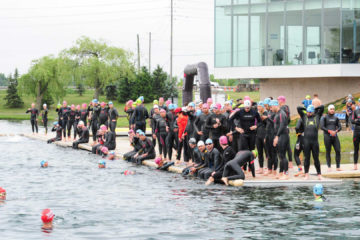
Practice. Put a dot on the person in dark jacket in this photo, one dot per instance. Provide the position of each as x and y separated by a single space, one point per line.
83 133
213 161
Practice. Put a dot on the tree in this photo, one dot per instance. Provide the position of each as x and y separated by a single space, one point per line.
159 78
110 91
46 75
3 80
144 85
80 89
98 63
125 86
12 97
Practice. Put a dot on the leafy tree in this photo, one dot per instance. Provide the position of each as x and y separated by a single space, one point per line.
110 91
47 74
80 89
98 63
159 78
144 85
170 90
12 97
125 88
3 80
48 99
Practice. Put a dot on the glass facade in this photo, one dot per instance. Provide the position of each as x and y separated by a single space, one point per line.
286 32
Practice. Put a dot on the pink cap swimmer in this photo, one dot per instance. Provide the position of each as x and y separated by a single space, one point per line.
247 98
72 106
281 99
102 104
205 105
162 110
103 128
64 103
78 107
158 160
218 106
130 102
223 140
168 102
84 105
209 101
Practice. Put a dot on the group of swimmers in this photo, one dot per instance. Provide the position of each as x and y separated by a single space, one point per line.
213 137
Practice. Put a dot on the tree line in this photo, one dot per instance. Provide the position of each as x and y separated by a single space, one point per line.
94 64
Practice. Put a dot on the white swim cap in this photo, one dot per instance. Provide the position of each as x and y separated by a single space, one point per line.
331 107
247 103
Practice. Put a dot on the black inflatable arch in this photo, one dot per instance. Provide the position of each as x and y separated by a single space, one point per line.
200 69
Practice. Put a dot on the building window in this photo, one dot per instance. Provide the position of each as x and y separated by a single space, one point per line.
350 31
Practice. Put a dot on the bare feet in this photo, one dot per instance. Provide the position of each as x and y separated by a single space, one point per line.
284 177
267 173
209 181
291 165
329 169
339 169
260 171
278 176
320 177
306 176
225 180
300 173
355 167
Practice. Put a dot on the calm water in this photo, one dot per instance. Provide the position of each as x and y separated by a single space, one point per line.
92 203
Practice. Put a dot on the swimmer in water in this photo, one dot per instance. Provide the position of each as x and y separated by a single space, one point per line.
112 155
47 218
102 164
44 164
2 194
318 193
104 152
128 172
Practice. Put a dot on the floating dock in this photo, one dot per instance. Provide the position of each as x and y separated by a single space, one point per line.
260 180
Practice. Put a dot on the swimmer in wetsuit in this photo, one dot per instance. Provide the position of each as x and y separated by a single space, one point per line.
318 193
83 133
34 113
44 116
233 169
64 117
58 129
2 194
147 150
331 125
113 116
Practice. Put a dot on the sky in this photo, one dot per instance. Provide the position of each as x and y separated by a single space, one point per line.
31 29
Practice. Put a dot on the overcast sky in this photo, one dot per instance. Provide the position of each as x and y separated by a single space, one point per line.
31 29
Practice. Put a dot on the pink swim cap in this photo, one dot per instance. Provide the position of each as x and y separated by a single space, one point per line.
247 98
78 107
209 100
64 102
84 105
205 105
158 160
103 127
102 104
168 102
162 110
104 149
282 98
161 99
130 102
218 106
72 106
47 215
223 140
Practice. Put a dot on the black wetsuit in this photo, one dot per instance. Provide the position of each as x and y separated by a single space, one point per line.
101 140
146 147
247 120
58 137
129 113
200 125
311 143
135 143
280 125
95 110
84 113
171 136
216 133
212 161
71 123
227 155
139 118
198 159
110 140
160 131
286 109
34 113
233 171
44 116
260 139
331 122
355 120
269 144
84 137
103 116
113 116
299 146
77 120
64 117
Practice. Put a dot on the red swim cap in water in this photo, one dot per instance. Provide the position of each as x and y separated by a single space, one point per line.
47 215
2 194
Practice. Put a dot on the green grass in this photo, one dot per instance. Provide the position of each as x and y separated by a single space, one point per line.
255 96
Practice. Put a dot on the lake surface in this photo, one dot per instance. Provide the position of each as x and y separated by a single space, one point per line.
92 203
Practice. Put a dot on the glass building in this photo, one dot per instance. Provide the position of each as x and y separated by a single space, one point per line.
253 33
